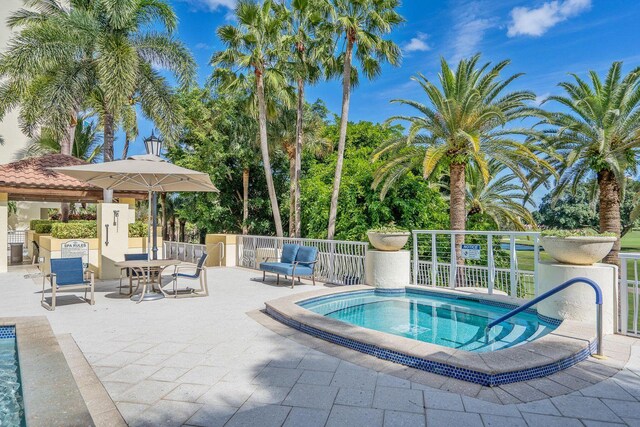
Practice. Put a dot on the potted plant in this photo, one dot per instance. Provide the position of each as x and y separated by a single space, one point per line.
388 238
580 247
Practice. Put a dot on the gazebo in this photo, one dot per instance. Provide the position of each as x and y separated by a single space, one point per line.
33 179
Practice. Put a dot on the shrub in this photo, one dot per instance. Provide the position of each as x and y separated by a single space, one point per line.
74 230
42 226
138 229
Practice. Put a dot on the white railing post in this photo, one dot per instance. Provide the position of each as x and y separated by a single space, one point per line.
513 267
624 296
415 258
454 262
536 260
490 264
434 260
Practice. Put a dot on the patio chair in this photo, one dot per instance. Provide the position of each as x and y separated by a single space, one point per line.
199 273
67 274
132 273
295 260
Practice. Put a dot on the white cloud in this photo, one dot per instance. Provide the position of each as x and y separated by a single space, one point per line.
540 99
418 44
536 21
202 46
469 28
212 5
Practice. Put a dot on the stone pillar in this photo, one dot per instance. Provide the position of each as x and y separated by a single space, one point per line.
387 270
132 207
577 302
113 237
4 229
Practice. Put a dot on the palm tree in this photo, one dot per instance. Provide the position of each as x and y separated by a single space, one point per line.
362 23
94 55
308 50
284 132
502 198
255 47
87 142
599 136
465 123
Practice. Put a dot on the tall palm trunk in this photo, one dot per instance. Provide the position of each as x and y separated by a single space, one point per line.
297 229
66 147
183 229
107 148
245 200
457 210
610 211
292 195
172 228
264 148
344 120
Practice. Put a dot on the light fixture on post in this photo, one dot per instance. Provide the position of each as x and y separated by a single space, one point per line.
153 145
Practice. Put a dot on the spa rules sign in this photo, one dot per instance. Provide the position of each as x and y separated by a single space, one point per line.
76 249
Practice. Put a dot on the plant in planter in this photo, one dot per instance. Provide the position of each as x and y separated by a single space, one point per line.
388 238
580 247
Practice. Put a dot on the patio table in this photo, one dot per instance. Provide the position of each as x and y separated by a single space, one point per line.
145 268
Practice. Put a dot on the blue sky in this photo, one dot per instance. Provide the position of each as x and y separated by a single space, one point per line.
544 39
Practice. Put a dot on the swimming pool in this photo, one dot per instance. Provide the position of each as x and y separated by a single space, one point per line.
11 406
450 321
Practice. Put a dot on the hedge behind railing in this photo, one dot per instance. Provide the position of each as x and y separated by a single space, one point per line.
138 229
74 230
42 226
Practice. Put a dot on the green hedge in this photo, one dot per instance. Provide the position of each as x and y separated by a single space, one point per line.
42 226
138 229
74 230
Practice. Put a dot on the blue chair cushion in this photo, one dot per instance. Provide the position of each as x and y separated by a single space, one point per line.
289 253
285 268
306 255
68 271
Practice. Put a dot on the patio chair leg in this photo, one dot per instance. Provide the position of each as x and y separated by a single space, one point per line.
277 279
313 278
264 274
53 297
293 279
93 299
203 284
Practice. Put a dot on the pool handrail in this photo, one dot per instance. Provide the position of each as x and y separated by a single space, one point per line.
553 291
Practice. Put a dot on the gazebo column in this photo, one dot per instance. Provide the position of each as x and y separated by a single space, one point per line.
4 230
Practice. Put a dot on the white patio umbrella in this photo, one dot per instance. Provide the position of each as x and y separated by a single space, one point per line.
146 172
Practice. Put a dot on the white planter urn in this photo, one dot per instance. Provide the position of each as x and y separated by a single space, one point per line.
578 250
391 241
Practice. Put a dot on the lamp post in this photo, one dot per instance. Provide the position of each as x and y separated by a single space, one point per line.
153 145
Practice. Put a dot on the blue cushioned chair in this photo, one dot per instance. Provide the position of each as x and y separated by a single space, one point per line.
295 260
132 273
200 273
67 274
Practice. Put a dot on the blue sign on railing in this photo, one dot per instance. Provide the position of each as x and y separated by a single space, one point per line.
470 251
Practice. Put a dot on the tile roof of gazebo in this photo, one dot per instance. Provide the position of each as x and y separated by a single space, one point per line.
33 179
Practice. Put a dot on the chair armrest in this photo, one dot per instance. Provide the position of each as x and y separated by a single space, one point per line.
185 267
91 275
267 258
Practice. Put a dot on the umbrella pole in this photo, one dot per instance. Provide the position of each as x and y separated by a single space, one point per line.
154 224
149 226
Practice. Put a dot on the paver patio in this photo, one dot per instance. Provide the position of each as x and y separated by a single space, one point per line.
217 361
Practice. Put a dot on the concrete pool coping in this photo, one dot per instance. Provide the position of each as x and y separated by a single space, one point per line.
50 394
570 343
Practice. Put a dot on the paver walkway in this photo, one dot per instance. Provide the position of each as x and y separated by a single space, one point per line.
213 362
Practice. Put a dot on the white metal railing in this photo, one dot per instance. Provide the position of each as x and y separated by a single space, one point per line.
339 262
486 259
187 252
629 293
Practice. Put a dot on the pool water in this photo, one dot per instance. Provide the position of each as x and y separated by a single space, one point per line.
448 321
11 406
